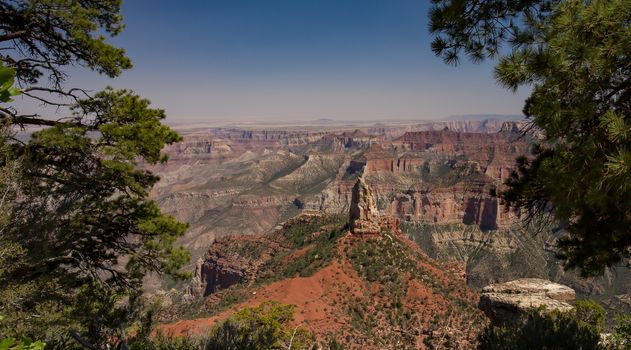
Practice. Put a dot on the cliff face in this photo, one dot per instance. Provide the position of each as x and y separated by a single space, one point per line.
491 154
213 273
229 261
444 206
441 177
512 252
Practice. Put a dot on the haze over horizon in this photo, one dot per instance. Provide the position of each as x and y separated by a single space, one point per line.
245 60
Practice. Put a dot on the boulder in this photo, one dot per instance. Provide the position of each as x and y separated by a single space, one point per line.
504 302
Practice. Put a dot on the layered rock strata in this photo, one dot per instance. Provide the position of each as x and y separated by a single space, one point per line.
503 302
225 264
364 216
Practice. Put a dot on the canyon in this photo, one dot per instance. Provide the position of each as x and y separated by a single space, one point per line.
230 181
435 179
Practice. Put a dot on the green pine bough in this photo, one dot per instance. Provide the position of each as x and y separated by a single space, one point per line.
575 58
78 231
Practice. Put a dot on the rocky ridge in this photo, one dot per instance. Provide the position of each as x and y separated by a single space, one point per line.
346 285
371 292
503 302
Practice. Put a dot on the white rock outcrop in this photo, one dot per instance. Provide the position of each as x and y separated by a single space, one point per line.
503 302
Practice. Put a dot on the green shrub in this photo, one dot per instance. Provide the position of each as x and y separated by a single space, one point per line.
22 344
620 338
264 327
590 313
162 342
582 328
335 345
541 329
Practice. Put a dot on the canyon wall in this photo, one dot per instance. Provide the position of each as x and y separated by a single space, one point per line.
227 181
435 178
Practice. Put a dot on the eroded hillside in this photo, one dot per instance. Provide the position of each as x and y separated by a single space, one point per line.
371 292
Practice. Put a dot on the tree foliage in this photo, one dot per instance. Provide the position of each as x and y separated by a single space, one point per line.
47 35
549 329
7 79
265 327
8 166
80 232
22 344
575 57
260 328
582 328
620 338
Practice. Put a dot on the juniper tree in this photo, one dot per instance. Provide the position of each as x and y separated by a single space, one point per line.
575 55
81 229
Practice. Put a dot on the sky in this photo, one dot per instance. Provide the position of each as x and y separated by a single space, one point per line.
282 60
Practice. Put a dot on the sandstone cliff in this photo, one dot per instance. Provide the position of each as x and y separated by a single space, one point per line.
441 177
229 261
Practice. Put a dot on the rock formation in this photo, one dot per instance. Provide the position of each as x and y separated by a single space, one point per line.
503 302
213 273
364 216
435 182
230 260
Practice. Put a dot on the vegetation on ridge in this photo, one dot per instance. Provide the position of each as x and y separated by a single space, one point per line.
581 328
263 327
375 292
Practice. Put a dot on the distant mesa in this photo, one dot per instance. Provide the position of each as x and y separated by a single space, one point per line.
355 134
481 117
324 121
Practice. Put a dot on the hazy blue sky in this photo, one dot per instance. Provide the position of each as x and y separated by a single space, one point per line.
303 59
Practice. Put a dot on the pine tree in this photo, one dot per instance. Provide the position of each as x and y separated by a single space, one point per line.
575 55
80 232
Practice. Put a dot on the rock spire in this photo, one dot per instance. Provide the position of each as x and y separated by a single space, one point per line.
363 216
